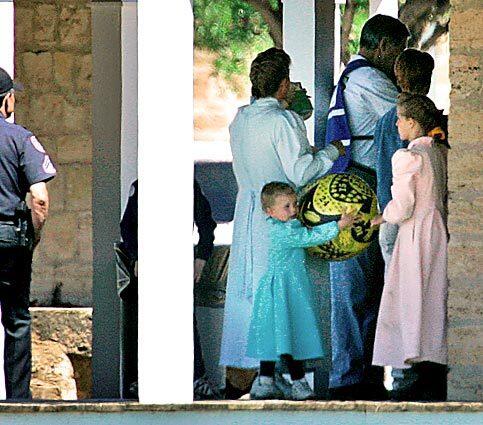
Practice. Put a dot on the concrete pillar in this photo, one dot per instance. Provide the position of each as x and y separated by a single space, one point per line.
129 122
384 7
298 42
6 35
165 104
106 161
324 65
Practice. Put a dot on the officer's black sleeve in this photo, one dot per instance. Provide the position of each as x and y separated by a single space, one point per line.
35 162
129 224
205 224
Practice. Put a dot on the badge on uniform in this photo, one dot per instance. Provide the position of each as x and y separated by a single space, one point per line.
47 165
37 144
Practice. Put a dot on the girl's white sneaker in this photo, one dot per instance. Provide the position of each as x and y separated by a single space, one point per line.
301 390
283 385
264 388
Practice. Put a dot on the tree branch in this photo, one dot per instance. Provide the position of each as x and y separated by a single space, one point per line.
418 14
273 18
346 27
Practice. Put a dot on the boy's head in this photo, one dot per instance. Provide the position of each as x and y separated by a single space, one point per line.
417 115
413 70
279 201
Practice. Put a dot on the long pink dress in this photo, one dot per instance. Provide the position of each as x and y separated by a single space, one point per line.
411 325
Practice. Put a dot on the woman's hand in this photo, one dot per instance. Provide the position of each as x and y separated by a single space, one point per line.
377 220
340 147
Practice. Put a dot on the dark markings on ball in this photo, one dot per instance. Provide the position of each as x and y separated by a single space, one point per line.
362 232
351 190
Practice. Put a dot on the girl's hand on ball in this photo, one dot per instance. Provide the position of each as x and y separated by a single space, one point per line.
377 220
346 220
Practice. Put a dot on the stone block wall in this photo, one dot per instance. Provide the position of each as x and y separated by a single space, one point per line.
61 353
466 201
53 61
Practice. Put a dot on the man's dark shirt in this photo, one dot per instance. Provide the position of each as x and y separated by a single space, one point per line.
386 142
202 217
205 224
129 224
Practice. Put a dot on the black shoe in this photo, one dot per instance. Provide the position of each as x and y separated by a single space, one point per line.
425 381
203 389
345 393
373 392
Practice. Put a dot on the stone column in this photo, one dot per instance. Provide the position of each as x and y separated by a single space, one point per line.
106 108
465 202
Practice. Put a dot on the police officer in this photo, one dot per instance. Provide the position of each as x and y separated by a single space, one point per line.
24 167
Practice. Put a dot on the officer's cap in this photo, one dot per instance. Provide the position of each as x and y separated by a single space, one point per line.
7 84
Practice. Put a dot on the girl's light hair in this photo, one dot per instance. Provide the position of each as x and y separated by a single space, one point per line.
421 109
273 189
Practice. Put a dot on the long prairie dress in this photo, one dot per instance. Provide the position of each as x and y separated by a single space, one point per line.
411 325
285 318
268 144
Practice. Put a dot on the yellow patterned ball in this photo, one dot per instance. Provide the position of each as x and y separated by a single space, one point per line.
326 199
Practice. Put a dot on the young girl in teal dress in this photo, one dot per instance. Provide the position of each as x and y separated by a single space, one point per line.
284 322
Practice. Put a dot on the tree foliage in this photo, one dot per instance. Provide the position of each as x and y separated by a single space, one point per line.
231 28
237 29
354 14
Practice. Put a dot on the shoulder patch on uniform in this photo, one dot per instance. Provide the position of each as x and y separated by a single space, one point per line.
132 190
37 144
47 165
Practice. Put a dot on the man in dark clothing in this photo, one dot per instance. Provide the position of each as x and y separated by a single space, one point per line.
202 388
129 246
129 297
129 226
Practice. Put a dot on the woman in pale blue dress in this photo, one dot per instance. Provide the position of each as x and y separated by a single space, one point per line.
268 143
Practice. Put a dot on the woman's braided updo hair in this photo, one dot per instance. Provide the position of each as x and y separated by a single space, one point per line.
267 71
421 109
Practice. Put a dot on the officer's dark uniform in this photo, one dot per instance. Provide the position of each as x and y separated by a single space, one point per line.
23 162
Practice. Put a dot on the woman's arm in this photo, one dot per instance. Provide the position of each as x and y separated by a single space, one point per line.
405 166
298 162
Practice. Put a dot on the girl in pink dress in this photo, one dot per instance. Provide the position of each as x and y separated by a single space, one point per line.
411 326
